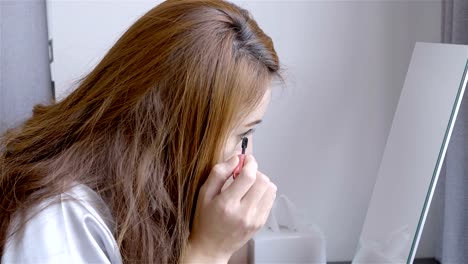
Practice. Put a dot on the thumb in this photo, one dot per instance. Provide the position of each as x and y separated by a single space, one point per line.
218 176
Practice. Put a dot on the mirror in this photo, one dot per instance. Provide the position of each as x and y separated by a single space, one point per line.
414 153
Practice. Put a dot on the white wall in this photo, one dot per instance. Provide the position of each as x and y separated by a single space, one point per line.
346 64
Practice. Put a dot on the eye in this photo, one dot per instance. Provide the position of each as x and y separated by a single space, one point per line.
247 133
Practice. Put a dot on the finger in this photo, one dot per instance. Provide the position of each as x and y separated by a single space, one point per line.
228 182
255 194
218 176
266 203
244 181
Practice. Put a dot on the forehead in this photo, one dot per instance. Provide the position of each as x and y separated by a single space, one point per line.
259 111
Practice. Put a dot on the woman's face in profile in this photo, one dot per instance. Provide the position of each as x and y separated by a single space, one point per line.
246 129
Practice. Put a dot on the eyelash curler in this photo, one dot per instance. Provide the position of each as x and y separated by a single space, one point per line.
239 167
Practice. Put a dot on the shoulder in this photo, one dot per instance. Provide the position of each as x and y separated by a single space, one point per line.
74 227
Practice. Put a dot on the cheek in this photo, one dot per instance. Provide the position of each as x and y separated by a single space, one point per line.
229 150
233 147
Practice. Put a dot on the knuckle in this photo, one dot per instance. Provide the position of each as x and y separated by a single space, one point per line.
273 187
247 224
254 161
253 158
228 211
238 219
263 178
250 176
251 161
223 206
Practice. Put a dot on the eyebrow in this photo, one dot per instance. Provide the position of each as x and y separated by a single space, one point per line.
254 123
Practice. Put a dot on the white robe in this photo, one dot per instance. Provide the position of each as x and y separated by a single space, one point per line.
76 230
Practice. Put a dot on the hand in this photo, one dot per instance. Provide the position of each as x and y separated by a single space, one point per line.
225 220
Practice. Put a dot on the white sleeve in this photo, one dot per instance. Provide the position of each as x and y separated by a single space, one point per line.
66 232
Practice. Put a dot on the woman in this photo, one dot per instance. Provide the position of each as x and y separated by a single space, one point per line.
133 165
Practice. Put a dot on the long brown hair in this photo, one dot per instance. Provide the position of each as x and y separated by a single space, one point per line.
145 127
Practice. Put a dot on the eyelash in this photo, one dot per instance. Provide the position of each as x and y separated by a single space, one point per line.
249 132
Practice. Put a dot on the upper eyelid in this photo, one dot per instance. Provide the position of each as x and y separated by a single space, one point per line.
250 131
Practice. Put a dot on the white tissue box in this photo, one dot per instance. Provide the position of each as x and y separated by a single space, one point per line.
287 246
